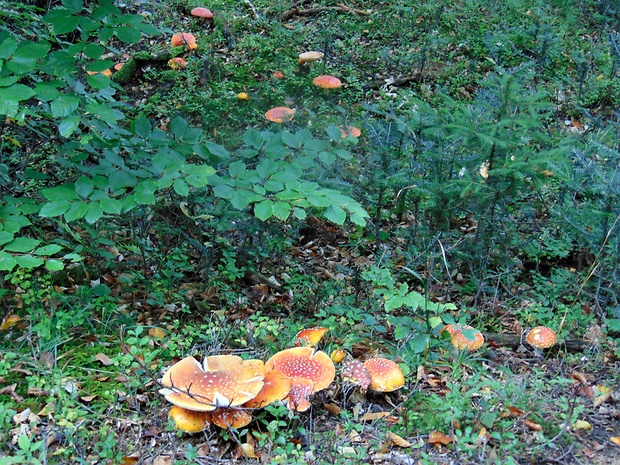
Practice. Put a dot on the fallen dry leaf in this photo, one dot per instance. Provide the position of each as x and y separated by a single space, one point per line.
511 412
130 459
604 393
103 359
247 451
532 425
580 425
9 321
372 416
332 408
578 377
398 441
157 333
437 438
615 440
10 390
162 460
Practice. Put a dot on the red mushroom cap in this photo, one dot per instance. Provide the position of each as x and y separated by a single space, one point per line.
351 131
304 362
230 418
201 12
276 387
189 420
299 396
310 336
188 385
385 375
327 82
280 114
462 341
355 372
541 337
184 38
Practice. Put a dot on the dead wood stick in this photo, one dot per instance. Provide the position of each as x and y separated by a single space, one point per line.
253 8
514 341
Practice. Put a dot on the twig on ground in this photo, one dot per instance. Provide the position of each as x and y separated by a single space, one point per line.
253 8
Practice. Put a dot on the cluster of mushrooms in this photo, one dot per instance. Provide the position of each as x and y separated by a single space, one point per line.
224 390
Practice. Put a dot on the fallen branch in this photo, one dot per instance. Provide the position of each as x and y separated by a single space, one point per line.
253 8
514 341
296 11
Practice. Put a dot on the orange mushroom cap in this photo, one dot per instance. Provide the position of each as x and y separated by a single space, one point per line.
177 63
201 12
337 355
189 421
385 375
461 341
276 387
278 74
541 337
350 131
184 38
309 57
299 396
310 336
230 418
304 362
188 385
327 82
356 372
280 114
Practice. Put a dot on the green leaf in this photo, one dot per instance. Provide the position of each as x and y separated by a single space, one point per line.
49 249
7 48
236 168
181 187
419 343
59 193
334 133
263 210
128 34
178 126
76 211
335 214
253 138
223 191
16 92
61 20
121 179
93 51
145 192
281 210
7 261
142 127
28 261
112 206
83 186
217 150
69 125
22 244
299 213
64 105
94 212
103 112
6 237
55 208
291 140
98 81
75 6
54 265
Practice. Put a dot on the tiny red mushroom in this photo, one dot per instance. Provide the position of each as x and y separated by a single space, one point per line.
280 114
350 131
177 63
231 418
327 82
299 396
201 12
385 375
278 74
462 341
184 38
541 337
310 336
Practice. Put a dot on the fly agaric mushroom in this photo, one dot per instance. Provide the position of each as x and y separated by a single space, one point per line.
276 387
203 13
337 355
385 375
189 385
355 372
303 364
327 82
280 114
278 74
310 336
189 421
471 340
184 38
243 96
541 337
299 396
230 418
309 57
177 63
